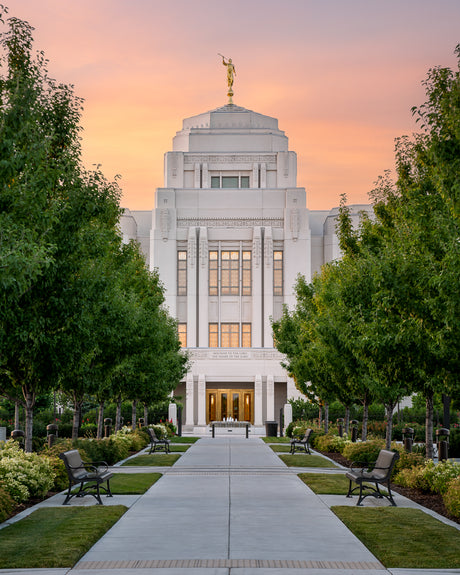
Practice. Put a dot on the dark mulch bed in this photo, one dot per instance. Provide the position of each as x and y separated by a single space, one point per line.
428 500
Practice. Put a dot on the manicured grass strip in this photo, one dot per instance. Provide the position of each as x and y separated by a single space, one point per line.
55 537
323 483
404 538
132 483
328 484
276 439
302 460
154 460
280 448
177 439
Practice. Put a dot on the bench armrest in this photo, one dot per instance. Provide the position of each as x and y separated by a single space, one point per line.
96 466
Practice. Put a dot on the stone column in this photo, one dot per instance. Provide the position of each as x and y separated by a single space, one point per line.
172 413
287 415
258 401
201 399
189 401
270 398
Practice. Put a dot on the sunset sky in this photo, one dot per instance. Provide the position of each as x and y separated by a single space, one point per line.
341 76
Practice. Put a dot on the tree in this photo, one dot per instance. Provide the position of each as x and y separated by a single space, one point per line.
59 216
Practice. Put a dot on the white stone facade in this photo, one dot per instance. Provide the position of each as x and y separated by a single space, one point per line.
229 234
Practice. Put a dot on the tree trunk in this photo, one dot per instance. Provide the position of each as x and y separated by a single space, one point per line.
347 419
365 419
134 415
118 415
100 420
29 398
389 407
17 423
76 417
320 415
429 451
326 417
146 414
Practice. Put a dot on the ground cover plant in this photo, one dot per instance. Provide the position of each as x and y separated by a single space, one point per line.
304 460
55 537
154 460
403 538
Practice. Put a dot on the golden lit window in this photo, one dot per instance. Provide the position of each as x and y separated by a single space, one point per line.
182 332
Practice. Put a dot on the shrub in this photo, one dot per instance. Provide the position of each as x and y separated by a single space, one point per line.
376 428
451 497
430 478
135 440
364 451
408 460
7 504
24 475
331 443
110 449
161 430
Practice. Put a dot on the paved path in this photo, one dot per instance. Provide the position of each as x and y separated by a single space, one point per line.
229 506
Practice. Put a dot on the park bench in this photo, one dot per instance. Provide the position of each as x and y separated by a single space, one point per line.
301 444
157 443
376 474
90 476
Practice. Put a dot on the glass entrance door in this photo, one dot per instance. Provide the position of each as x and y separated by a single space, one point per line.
223 404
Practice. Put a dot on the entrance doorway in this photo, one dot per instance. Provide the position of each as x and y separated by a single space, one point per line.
237 404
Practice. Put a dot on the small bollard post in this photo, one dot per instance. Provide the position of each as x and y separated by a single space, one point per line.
340 426
179 421
408 438
354 430
247 430
51 433
442 439
18 435
213 430
141 422
107 426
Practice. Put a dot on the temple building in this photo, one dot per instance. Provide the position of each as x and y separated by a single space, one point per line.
229 233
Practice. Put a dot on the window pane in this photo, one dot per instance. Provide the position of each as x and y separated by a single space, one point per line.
213 335
230 272
245 181
182 272
182 332
247 273
213 287
215 181
229 181
246 335
277 273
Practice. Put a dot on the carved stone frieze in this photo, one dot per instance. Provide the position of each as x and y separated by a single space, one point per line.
164 223
229 222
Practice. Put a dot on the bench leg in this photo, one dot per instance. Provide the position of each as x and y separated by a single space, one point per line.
390 496
68 496
350 491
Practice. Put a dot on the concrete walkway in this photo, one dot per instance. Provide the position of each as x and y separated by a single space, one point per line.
229 506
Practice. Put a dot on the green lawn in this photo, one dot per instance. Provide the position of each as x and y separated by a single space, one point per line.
154 460
55 537
132 483
276 439
280 448
177 439
326 483
404 538
304 460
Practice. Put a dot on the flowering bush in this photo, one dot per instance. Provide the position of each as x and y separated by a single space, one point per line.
451 497
331 443
24 475
431 477
161 431
135 440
